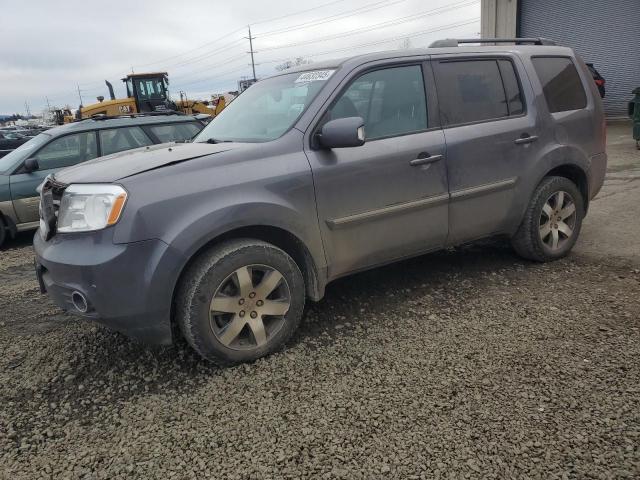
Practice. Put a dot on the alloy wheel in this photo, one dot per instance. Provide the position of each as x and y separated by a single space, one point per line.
557 220
249 306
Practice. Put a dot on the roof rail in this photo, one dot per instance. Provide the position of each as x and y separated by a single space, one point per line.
104 116
455 42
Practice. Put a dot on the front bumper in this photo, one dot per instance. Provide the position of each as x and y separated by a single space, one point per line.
128 287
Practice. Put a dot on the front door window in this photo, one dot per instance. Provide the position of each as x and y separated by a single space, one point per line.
68 150
391 102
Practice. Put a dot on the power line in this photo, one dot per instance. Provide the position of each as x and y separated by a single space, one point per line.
226 61
388 23
223 48
209 77
388 40
226 46
350 48
227 35
332 18
234 32
367 44
299 12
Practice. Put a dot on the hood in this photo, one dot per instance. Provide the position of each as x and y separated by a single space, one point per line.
131 162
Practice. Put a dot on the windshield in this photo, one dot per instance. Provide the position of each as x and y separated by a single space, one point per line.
150 89
11 159
267 109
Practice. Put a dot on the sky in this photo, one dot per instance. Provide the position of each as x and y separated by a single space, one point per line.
48 49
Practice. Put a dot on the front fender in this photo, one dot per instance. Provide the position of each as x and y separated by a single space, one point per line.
192 204
191 235
196 231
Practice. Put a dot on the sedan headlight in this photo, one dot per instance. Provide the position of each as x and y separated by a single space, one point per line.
86 207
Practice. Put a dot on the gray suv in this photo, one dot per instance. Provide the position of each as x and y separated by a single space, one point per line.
320 172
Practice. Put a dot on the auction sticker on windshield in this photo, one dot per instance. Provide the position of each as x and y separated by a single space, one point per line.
315 76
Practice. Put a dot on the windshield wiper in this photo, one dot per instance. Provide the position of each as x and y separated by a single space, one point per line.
215 140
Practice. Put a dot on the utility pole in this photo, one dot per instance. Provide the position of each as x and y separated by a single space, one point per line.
26 107
79 94
253 64
48 106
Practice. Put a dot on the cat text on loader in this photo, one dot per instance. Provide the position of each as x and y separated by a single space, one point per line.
146 92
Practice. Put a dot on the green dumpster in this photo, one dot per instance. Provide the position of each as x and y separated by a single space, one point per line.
634 113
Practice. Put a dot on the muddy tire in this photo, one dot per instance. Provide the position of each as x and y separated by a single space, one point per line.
239 301
552 221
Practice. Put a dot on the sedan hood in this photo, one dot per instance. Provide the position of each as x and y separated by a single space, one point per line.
125 164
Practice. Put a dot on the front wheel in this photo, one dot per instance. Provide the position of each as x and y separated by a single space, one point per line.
239 301
552 222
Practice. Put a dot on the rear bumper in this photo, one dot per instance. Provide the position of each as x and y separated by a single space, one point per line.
597 172
128 287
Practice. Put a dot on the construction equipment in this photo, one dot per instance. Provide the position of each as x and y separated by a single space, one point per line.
193 107
62 115
147 92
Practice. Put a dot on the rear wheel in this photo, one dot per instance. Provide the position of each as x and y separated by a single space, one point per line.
552 222
239 301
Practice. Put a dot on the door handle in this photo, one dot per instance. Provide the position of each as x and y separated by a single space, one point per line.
424 159
525 138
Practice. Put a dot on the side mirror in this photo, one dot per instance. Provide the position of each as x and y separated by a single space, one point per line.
31 165
342 133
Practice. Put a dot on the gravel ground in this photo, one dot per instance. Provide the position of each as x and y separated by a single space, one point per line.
468 363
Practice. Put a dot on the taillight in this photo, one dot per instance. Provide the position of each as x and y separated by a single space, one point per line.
599 82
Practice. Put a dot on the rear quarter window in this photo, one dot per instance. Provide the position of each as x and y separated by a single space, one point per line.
561 83
115 140
176 132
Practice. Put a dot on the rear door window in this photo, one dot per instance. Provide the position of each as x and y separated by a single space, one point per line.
115 140
561 83
473 91
68 150
176 132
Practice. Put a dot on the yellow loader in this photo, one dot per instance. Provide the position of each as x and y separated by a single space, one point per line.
148 92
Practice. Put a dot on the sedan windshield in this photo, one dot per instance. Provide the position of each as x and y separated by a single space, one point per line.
13 158
266 110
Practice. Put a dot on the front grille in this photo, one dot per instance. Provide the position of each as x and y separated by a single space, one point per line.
50 198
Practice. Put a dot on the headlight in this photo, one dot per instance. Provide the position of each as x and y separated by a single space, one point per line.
86 207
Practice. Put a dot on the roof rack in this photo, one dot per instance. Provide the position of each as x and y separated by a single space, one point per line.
103 116
455 42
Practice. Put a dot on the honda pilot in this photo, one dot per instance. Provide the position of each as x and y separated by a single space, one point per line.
319 172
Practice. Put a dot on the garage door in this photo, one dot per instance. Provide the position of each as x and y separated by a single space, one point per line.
606 34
